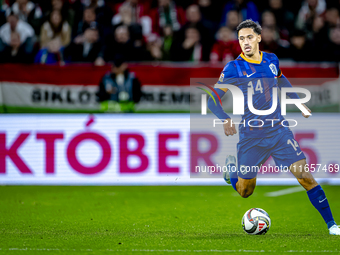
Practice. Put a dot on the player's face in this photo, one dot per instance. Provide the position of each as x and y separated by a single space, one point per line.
249 41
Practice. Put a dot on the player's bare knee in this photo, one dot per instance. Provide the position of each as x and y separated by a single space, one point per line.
308 182
305 177
298 168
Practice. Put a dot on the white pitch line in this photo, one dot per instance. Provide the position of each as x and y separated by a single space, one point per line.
284 192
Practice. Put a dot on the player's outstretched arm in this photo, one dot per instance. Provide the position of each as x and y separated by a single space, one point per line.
216 108
283 82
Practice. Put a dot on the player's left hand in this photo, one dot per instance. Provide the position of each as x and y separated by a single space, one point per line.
229 127
304 115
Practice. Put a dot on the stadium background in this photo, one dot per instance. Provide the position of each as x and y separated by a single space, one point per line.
36 147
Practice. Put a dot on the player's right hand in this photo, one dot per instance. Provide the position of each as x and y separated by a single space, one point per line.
229 127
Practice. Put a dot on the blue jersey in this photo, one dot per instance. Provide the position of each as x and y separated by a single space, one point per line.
261 76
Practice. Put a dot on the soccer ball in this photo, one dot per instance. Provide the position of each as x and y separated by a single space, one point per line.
256 221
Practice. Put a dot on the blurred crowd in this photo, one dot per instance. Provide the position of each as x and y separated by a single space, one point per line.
95 31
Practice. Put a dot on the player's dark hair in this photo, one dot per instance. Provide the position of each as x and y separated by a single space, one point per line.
248 23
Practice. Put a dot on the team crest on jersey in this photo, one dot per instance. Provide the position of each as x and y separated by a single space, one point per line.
221 77
243 170
273 68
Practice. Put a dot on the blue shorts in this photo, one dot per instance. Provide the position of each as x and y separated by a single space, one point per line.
253 152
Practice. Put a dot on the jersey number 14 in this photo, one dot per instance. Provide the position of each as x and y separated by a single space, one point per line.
257 88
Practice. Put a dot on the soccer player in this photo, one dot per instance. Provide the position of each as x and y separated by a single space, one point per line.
260 72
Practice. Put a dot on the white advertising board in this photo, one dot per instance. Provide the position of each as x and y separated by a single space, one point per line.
136 149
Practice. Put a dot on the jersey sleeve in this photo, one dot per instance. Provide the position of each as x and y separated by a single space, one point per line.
282 80
229 75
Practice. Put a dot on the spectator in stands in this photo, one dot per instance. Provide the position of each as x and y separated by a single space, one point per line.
322 26
247 10
135 29
103 12
226 48
87 49
167 13
233 20
319 32
66 12
211 11
122 44
284 18
53 53
269 20
300 48
119 90
168 38
154 47
190 49
25 31
168 33
89 16
159 48
271 42
55 27
132 12
3 8
28 12
14 52
308 11
332 49
332 17
194 19
140 7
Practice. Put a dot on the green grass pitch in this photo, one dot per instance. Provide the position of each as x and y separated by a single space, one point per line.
158 220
